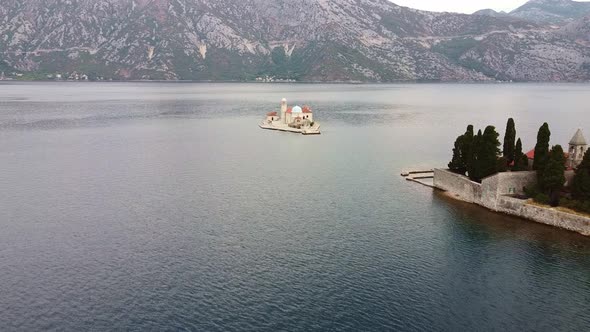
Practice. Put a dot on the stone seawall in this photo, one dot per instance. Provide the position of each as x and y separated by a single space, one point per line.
459 186
491 194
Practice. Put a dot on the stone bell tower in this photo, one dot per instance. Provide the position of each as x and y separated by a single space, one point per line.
577 149
284 110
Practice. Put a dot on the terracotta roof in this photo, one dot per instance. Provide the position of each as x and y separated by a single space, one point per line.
289 110
306 109
272 114
531 154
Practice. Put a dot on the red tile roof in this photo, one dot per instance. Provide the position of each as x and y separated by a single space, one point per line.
306 109
289 110
531 154
272 114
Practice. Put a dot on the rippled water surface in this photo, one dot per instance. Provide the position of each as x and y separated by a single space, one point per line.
148 206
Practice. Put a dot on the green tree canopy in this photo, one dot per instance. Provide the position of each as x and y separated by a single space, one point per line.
484 156
542 149
473 168
467 146
457 164
521 162
553 174
581 182
490 149
462 152
508 151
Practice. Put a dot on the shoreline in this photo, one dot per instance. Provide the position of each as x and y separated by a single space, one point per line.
492 195
408 82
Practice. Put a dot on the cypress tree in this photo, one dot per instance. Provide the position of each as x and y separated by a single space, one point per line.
489 151
473 169
508 151
553 174
467 146
521 162
542 149
457 164
581 182
585 164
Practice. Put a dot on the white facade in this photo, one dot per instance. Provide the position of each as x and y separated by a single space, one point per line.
284 110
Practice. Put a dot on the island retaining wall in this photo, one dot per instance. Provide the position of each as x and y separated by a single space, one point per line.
492 194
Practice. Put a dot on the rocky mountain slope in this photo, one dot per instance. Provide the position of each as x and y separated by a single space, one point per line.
578 30
306 40
552 11
490 12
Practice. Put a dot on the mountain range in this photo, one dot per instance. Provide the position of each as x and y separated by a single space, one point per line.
301 40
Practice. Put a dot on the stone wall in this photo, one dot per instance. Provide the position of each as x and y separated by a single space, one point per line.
489 191
492 194
544 215
459 186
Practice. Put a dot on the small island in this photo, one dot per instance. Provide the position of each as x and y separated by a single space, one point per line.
546 185
292 119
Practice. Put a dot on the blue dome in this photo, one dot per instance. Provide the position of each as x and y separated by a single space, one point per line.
297 109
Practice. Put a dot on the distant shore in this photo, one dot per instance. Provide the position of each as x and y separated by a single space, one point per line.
418 82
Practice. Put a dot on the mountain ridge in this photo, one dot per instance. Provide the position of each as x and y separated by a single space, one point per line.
304 40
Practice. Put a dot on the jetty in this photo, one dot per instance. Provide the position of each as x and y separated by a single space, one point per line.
419 176
292 119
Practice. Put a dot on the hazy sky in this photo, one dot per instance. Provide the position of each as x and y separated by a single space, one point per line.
461 6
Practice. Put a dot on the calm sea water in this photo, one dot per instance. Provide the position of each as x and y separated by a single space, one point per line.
144 206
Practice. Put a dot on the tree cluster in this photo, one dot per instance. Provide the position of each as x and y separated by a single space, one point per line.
479 155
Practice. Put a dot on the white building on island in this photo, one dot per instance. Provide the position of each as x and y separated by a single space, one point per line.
294 119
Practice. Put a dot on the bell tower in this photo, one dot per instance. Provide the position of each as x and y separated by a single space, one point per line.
577 149
284 110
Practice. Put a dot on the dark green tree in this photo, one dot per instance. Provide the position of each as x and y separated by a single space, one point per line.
553 175
521 162
508 151
542 150
489 151
462 152
581 182
457 164
467 146
473 169
484 158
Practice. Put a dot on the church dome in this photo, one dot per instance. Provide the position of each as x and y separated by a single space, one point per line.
297 109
